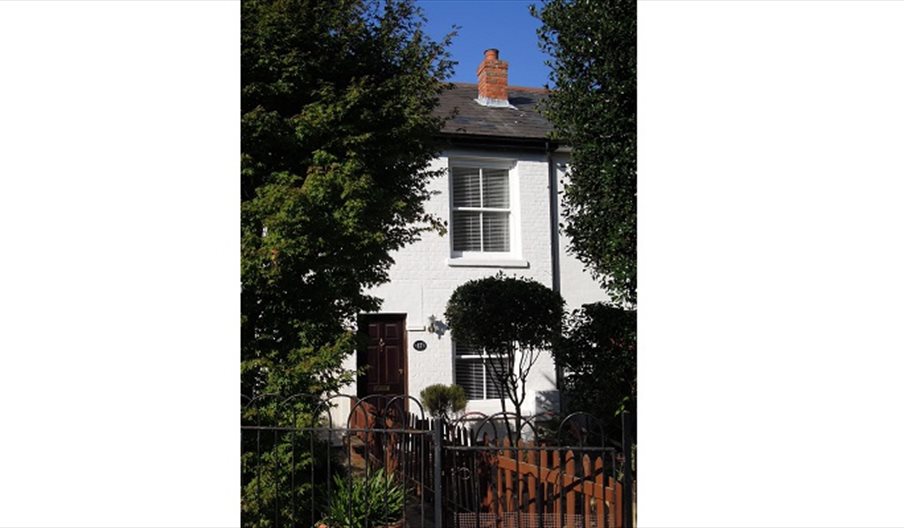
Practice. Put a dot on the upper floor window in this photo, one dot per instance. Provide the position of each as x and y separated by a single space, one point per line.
481 210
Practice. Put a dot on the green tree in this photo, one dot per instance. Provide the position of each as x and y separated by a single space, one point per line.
337 105
599 353
513 320
337 128
594 110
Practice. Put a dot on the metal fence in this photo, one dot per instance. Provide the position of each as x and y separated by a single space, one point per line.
385 463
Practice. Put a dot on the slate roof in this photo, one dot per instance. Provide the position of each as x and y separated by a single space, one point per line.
473 119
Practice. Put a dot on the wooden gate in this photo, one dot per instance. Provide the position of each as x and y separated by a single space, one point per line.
488 483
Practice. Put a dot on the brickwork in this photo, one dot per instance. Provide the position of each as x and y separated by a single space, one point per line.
492 77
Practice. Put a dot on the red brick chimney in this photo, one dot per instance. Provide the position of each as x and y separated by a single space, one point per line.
492 80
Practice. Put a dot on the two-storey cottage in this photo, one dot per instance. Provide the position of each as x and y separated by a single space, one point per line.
500 197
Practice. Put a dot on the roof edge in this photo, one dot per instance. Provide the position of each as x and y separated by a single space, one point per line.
530 89
491 141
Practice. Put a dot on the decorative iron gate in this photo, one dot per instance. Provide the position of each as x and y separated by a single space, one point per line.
301 466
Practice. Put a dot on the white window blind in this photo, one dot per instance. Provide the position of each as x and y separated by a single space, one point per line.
474 373
481 210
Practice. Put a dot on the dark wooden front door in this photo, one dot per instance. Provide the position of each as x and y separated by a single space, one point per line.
383 355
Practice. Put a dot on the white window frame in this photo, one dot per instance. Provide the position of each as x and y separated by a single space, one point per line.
513 210
483 356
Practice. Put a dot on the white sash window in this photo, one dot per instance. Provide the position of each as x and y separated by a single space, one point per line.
474 373
481 210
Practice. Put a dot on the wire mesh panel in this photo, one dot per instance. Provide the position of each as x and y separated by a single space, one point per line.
476 520
510 520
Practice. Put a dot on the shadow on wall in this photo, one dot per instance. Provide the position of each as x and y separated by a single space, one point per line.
436 327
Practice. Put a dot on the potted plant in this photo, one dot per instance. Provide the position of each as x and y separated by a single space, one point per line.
373 501
444 401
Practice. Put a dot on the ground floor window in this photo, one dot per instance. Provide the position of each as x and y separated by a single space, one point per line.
474 372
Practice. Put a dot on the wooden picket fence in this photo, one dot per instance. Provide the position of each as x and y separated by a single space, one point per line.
494 485
487 483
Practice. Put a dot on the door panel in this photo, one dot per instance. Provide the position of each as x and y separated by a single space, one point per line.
384 354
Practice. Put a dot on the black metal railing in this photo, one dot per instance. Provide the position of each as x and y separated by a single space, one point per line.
303 467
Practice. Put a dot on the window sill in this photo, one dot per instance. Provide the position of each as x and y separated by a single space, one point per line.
462 262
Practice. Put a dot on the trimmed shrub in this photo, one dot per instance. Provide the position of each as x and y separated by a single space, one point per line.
443 401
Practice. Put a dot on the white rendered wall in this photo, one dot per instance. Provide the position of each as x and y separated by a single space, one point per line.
577 285
422 279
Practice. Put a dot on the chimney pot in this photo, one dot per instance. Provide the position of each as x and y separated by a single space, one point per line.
492 80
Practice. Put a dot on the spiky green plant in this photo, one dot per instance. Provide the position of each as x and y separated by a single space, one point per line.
372 501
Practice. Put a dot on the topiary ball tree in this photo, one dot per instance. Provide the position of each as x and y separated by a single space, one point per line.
513 320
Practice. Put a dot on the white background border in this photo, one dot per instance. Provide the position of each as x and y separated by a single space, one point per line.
119 223
771 180
770 188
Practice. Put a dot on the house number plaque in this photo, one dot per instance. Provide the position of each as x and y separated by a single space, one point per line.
420 345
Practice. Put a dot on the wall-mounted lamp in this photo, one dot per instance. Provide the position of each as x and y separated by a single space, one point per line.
431 326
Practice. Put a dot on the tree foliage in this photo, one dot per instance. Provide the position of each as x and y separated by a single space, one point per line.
337 104
512 318
337 124
500 313
594 110
599 355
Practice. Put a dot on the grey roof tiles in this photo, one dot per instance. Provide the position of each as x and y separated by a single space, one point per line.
522 121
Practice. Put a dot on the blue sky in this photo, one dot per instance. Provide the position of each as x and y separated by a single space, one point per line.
502 24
